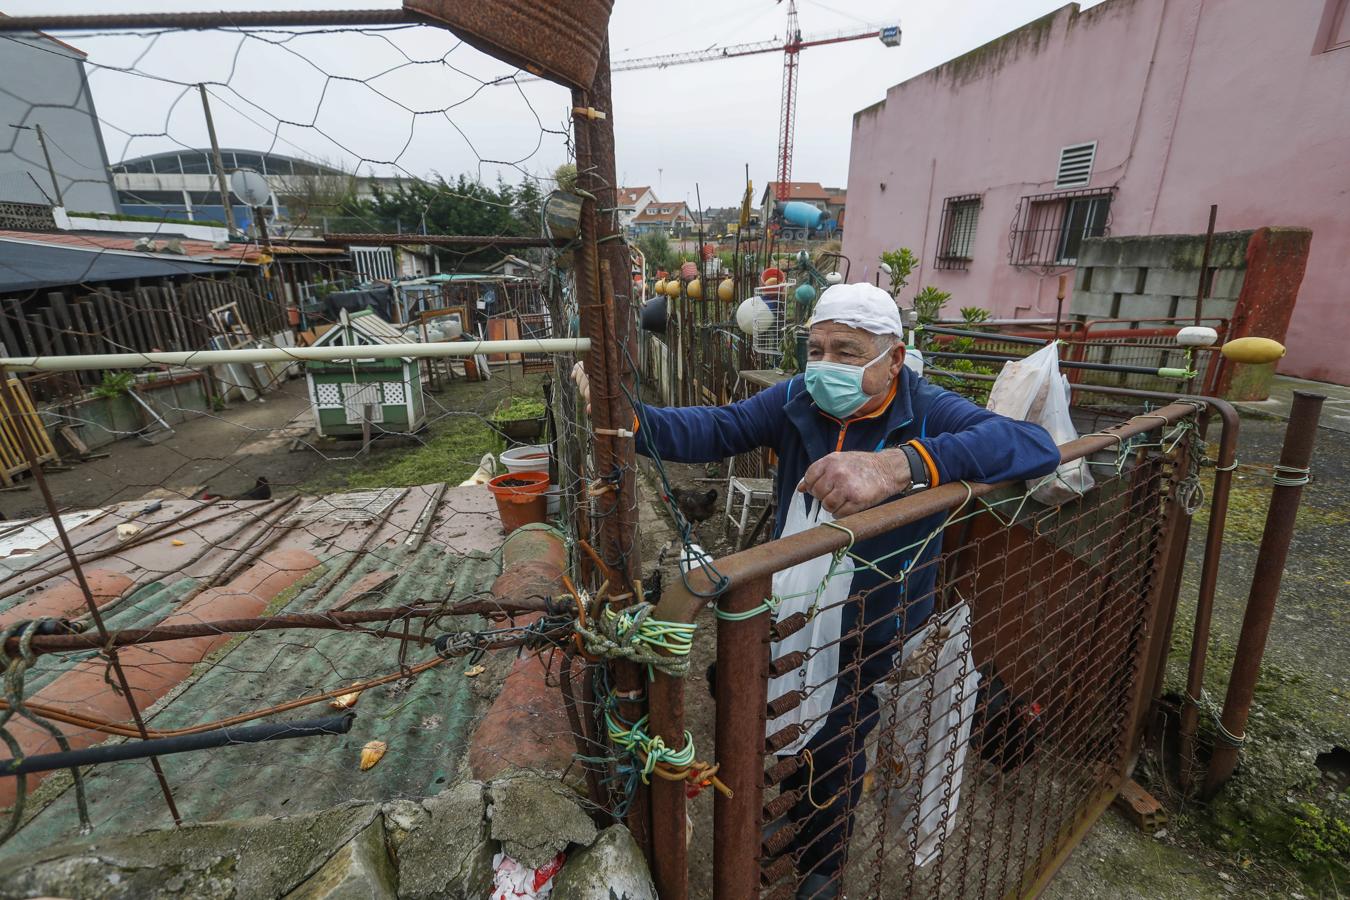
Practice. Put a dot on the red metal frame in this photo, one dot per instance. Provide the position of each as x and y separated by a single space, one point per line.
787 121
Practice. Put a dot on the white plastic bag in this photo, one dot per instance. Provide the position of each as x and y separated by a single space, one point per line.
914 759
804 588
1032 389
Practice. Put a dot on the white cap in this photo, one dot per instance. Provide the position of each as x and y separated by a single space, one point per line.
859 306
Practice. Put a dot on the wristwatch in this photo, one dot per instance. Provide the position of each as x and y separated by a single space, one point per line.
918 472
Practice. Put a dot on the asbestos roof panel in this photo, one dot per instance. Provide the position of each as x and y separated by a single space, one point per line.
436 542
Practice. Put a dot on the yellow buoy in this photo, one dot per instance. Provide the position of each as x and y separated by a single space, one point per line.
660 286
694 289
1253 350
673 287
726 290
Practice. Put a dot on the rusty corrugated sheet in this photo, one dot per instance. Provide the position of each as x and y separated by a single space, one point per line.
556 39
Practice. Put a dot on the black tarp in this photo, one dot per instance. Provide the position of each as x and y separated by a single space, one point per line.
28 266
379 298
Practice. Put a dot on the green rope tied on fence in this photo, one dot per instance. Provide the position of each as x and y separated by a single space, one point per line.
648 750
632 634
770 606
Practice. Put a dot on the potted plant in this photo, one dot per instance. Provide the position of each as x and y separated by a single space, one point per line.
519 419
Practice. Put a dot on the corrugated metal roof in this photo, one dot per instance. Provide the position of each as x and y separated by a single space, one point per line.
27 265
436 544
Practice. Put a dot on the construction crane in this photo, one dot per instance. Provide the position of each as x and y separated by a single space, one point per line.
792 45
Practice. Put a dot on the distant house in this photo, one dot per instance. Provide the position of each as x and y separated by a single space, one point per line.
45 86
631 201
719 220
664 218
830 199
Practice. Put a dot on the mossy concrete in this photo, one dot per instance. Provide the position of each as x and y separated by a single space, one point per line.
612 868
260 857
361 870
535 818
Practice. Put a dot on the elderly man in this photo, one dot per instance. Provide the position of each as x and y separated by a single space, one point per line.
856 429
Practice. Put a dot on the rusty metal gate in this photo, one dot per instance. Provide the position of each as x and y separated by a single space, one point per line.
967 757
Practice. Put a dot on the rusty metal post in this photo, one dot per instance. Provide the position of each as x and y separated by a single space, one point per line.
670 859
603 287
742 701
602 183
1209 579
1290 476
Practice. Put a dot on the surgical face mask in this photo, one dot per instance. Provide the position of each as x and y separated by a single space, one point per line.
837 388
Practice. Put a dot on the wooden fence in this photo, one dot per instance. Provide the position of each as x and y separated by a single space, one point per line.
163 315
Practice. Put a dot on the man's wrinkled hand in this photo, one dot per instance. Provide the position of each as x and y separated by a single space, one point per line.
583 385
849 482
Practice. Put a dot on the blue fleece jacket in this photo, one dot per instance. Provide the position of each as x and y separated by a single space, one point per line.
965 441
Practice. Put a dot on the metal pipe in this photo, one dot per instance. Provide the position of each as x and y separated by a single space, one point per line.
466 241
1290 476
199 20
437 350
742 699
670 862
1209 579
984 335
60 643
1063 363
224 737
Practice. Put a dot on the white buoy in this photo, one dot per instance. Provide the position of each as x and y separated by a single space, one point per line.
1197 336
754 315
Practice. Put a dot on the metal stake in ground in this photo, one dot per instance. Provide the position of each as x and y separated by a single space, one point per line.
1290 476
12 410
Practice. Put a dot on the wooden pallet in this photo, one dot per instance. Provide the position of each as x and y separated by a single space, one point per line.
13 460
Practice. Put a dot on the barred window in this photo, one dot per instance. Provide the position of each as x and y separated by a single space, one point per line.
1048 229
956 236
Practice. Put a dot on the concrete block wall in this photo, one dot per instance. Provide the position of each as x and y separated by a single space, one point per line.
1157 276
1253 281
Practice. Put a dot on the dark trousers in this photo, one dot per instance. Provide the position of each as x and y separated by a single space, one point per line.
835 777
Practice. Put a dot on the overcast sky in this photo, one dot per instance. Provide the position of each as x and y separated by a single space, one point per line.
412 100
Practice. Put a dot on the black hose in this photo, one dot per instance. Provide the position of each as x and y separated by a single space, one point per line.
221 737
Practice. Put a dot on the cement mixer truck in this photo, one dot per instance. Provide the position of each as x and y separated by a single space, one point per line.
799 221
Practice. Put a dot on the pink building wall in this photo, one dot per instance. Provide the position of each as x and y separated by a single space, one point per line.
1191 102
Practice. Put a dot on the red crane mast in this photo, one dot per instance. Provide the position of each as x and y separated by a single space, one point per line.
791 47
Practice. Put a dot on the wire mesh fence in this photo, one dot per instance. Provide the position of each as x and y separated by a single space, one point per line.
949 707
215 565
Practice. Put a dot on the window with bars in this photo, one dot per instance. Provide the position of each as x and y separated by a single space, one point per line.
1048 229
956 236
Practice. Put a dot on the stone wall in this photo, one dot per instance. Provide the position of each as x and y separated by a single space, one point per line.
440 848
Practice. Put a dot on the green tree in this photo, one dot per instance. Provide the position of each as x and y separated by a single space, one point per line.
660 254
462 207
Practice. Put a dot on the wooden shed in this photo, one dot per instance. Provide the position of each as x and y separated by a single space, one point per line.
344 392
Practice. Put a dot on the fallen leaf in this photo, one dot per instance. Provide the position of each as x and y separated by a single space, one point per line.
178 543
345 701
475 671
371 753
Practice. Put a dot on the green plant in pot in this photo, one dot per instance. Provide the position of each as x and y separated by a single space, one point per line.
519 419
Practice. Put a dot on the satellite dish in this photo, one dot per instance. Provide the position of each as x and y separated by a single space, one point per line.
250 187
